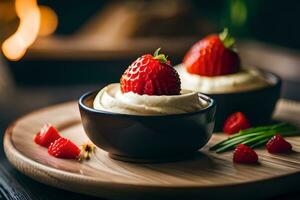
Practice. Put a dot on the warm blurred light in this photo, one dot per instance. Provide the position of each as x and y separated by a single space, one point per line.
28 12
34 21
49 21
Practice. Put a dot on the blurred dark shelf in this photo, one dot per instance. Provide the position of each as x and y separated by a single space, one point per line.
66 72
98 68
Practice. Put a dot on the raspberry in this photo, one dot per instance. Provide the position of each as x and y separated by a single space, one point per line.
278 144
244 154
236 122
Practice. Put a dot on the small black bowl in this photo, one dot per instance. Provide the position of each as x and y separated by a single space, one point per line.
147 138
258 104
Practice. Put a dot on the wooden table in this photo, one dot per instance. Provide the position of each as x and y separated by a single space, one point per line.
14 185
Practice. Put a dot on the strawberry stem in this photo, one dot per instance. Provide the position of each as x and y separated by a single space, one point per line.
162 58
227 39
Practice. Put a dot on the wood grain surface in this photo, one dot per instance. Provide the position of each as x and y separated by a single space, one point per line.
205 175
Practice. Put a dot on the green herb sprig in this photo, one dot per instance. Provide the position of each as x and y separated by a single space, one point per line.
255 137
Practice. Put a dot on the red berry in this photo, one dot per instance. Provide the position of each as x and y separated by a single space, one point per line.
47 135
64 148
278 144
244 154
151 75
213 56
236 122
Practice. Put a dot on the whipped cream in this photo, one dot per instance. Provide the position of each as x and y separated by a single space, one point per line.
245 80
111 99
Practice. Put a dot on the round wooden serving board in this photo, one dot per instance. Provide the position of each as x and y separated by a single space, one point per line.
207 175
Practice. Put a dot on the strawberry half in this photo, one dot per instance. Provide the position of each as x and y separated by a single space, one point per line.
213 56
46 135
244 154
278 144
64 148
236 122
151 75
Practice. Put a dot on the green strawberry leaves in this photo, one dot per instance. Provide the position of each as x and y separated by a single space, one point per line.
227 39
162 58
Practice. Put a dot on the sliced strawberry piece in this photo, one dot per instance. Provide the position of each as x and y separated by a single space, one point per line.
64 148
213 56
236 122
244 154
47 135
151 75
277 144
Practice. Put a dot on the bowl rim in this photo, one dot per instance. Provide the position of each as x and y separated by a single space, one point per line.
269 75
211 105
274 79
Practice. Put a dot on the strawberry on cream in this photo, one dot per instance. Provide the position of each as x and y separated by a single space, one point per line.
244 80
111 99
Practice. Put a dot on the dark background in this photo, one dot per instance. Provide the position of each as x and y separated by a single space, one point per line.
272 21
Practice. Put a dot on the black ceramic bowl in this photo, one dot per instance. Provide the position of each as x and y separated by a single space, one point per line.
258 104
147 138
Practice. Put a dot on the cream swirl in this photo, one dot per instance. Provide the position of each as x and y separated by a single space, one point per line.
245 80
111 99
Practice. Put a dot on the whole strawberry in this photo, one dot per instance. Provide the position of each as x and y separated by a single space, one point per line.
278 144
236 122
151 75
64 148
46 135
213 56
244 154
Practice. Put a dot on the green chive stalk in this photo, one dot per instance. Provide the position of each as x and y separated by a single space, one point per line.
254 137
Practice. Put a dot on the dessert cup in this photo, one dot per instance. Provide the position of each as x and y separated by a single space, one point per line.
257 103
151 138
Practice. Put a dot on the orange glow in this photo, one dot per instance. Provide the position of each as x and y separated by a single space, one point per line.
16 45
34 21
49 21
